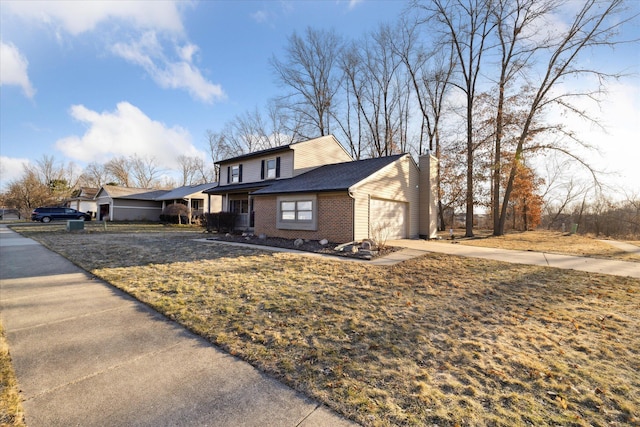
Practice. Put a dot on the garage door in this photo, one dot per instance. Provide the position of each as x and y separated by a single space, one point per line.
388 219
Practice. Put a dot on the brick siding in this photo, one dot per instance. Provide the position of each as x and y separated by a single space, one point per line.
335 219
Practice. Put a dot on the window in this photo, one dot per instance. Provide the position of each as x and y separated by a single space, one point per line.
239 206
235 173
297 213
270 168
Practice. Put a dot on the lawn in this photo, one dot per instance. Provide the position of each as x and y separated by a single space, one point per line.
546 241
436 340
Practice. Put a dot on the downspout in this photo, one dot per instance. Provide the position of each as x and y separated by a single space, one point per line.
189 209
353 214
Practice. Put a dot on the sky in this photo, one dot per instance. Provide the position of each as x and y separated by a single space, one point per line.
88 81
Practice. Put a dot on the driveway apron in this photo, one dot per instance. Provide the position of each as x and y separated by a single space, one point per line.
87 354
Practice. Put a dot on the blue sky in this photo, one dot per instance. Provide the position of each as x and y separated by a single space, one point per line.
87 81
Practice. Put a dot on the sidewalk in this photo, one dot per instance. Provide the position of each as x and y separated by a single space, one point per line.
414 248
591 265
87 354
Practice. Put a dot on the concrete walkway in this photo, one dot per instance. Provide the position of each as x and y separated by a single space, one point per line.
87 354
627 247
592 265
415 248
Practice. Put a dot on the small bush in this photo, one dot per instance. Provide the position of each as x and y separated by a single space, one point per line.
175 214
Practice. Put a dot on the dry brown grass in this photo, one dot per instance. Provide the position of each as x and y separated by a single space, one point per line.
547 241
436 340
11 413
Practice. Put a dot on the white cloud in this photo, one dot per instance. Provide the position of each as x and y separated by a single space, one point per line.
180 73
260 16
619 114
127 131
146 19
11 169
13 69
77 17
354 3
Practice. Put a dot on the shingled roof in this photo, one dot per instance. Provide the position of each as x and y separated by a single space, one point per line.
117 192
335 177
182 192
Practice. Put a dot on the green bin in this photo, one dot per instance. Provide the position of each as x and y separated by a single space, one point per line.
75 224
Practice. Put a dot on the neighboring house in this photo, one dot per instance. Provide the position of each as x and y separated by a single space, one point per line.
134 204
10 213
84 201
117 203
193 197
314 190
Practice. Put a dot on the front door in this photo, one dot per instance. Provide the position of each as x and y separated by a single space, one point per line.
240 207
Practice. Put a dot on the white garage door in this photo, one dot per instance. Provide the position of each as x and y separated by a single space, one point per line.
388 219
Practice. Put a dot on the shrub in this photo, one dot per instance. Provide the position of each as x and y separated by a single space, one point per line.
220 221
175 214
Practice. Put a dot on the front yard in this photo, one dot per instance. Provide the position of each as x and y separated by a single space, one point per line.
438 340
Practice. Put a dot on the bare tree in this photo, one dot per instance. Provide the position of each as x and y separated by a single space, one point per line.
29 192
118 168
309 71
430 74
513 20
352 127
145 171
189 168
95 175
595 24
466 25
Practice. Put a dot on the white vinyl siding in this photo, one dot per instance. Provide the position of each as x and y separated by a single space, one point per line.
395 182
318 152
251 168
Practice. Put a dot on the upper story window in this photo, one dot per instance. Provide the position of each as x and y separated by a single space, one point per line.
234 174
270 168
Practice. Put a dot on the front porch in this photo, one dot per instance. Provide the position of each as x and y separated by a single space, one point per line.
240 204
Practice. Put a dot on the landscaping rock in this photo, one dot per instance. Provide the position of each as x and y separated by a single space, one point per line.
262 236
344 250
298 242
324 242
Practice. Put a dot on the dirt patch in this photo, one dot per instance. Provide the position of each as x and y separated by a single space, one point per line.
358 250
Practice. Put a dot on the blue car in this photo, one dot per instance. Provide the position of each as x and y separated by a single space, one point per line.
51 214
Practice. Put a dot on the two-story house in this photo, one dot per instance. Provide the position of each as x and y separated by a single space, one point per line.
314 190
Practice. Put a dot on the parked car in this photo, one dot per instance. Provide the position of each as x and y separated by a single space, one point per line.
50 214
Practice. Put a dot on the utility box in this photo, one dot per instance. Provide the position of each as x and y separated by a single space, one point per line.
75 224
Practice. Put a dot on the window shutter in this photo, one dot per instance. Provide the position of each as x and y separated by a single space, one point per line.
228 174
277 167
240 173
262 170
